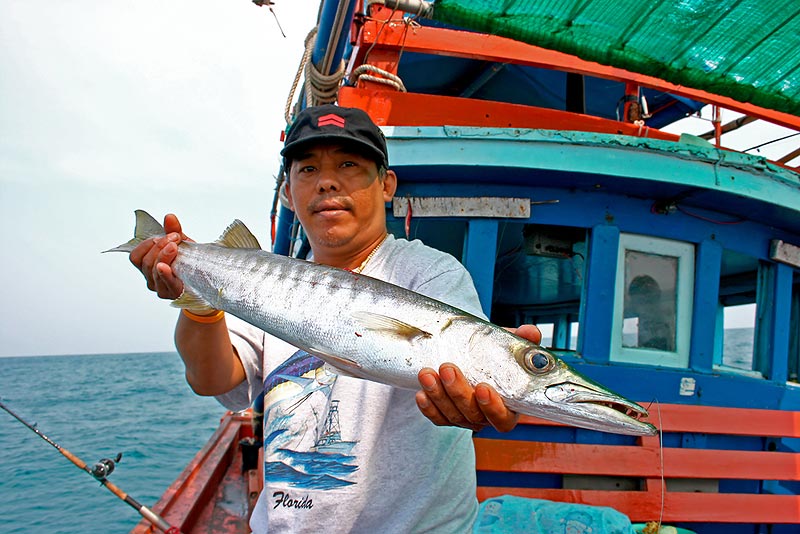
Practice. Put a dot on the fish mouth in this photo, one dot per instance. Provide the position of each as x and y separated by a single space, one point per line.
607 408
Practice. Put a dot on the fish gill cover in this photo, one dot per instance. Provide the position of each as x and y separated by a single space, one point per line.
747 50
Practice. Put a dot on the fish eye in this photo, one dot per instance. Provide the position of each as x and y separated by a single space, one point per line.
539 361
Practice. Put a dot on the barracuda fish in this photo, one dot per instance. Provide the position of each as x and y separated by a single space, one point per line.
370 329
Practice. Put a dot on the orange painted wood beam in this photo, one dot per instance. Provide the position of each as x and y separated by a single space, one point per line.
632 461
569 458
393 108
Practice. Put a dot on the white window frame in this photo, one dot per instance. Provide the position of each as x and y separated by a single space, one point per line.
685 253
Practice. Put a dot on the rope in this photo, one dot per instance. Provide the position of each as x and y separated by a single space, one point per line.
360 73
322 88
309 44
319 88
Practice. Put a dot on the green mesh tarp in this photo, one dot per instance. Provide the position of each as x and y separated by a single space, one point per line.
748 50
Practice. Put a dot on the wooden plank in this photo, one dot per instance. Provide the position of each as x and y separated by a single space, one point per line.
631 461
731 421
677 506
570 458
186 498
745 465
645 461
714 420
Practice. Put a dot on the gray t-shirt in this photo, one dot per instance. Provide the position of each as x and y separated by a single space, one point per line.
348 455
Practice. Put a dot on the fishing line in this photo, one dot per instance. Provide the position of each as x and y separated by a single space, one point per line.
661 458
99 472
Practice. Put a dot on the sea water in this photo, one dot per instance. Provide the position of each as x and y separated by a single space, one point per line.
94 406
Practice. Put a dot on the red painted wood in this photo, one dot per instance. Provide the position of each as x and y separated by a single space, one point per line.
628 461
714 420
377 33
545 457
393 108
645 462
193 494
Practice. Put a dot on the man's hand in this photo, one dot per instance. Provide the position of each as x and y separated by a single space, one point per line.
154 258
448 400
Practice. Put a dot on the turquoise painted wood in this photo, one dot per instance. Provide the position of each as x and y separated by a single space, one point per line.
616 156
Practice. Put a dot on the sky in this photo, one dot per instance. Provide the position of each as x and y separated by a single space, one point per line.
107 107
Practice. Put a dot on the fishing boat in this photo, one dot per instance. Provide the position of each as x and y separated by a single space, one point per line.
543 144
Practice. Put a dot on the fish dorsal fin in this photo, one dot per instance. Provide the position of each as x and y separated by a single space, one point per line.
146 227
384 323
236 235
191 300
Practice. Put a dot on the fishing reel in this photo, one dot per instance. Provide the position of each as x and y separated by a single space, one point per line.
104 467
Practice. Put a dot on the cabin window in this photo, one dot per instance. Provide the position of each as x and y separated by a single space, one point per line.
538 279
653 301
547 334
574 330
736 319
739 323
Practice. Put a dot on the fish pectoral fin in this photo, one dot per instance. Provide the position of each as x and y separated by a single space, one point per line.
332 359
191 300
333 370
237 235
342 363
384 323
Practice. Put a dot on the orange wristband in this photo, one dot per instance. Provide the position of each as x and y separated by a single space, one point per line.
205 319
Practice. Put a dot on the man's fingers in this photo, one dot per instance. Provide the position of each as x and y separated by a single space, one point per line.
495 410
451 403
461 394
530 332
167 285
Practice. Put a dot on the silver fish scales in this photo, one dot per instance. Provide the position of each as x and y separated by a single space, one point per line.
370 329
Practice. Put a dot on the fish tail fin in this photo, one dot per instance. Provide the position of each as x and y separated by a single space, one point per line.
146 227
237 235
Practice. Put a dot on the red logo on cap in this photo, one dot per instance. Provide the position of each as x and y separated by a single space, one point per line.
331 119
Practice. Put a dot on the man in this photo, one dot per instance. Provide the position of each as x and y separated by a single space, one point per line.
343 454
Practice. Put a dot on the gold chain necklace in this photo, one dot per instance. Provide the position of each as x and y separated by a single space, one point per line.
366 260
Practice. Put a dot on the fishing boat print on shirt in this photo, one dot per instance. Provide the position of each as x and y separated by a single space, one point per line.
303 444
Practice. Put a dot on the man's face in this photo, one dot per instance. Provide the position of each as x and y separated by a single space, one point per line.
337 195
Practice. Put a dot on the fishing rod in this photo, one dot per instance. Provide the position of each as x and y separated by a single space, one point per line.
99 472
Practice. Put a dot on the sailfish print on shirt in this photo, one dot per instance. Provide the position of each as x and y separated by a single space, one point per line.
303 445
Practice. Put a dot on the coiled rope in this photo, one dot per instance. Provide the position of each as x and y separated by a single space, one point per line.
319 88
386 77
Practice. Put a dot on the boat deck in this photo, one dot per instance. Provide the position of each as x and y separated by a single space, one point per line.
213 494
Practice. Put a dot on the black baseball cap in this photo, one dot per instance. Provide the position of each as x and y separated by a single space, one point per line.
350 126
